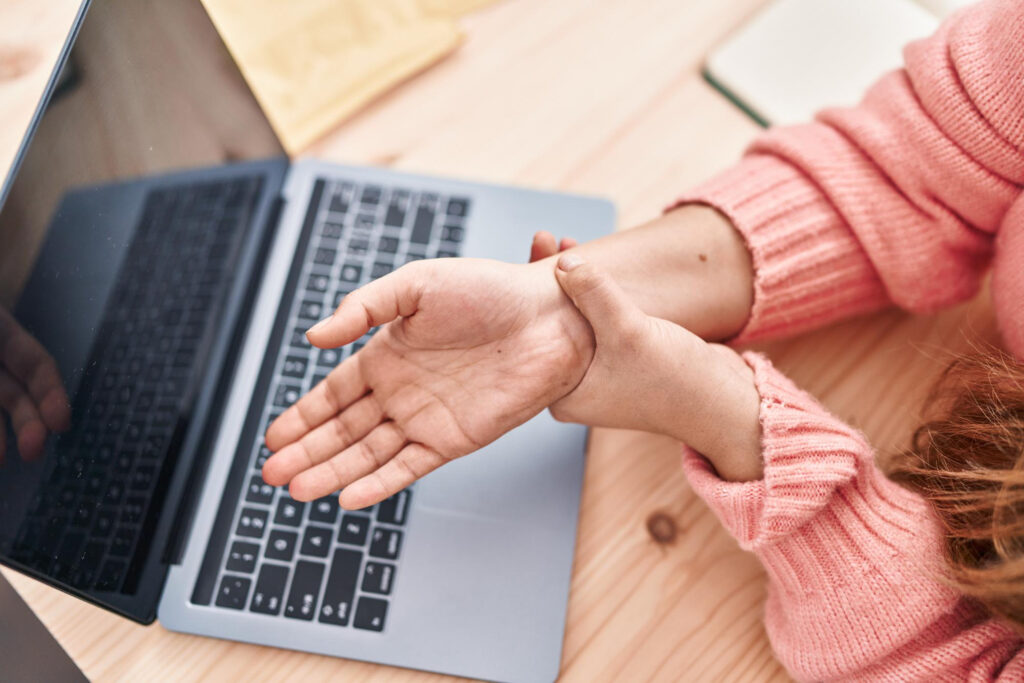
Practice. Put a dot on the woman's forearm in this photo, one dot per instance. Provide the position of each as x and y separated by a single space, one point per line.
689 266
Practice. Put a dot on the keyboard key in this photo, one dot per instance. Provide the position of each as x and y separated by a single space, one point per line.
351 273
259 491
394 510
358 247
377 578
457 206
242 557
371 194
329 357
123 541
104 524
294 366
385 543
132 510
133 433
388 245
318 283
339 296
380 269
324 257
395 216
261 457
111 576
289 512
252 523
143 478
66 555
316 541
370 614
452 233
269 593
298 339
305 590
84 513
341 587
354 529
88 566
115 492
446 254
286 394
234 591
332 230
423 224
324 510
338 204
281 545
365 222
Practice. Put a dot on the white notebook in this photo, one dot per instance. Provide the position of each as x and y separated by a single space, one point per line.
796 57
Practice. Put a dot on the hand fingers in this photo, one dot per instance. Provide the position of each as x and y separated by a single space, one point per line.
543 246
356 461
334 394
337 434
30 365
412 462
25 418
601 301
379 302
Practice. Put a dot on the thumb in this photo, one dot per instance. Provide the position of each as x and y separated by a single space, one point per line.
376 303
601 301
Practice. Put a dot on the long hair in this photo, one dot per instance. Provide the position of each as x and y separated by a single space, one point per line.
968 462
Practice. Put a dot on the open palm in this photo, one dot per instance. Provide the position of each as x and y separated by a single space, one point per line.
469 349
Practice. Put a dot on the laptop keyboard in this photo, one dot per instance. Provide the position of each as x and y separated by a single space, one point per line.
314 561
98 500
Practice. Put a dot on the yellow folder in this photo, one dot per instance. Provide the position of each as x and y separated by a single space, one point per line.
312 63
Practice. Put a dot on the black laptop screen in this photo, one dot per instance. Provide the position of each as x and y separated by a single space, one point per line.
105 323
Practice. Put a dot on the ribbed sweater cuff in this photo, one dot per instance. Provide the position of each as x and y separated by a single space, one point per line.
807 455
841 544
809 268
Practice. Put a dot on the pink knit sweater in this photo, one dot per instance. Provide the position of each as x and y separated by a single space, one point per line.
898 200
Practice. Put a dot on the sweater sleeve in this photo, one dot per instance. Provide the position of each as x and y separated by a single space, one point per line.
855 562
896 200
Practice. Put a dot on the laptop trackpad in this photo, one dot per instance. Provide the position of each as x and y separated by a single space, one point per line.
528 468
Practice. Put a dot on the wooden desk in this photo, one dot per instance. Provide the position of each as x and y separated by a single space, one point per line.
603 97
31 38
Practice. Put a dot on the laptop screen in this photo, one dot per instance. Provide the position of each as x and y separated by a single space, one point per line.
100 325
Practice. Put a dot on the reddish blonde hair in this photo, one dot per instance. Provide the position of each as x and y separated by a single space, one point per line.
968 462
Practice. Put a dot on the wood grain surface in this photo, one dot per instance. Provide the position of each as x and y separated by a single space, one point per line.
32 34
601 97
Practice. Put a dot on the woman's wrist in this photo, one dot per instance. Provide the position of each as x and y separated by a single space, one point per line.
689 266
574 328
715 409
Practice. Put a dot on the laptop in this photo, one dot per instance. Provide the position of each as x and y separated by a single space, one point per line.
173 295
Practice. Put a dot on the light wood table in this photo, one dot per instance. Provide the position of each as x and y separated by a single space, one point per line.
601 97
31 38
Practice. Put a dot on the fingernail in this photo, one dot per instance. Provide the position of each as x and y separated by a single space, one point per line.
320 324
567 262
